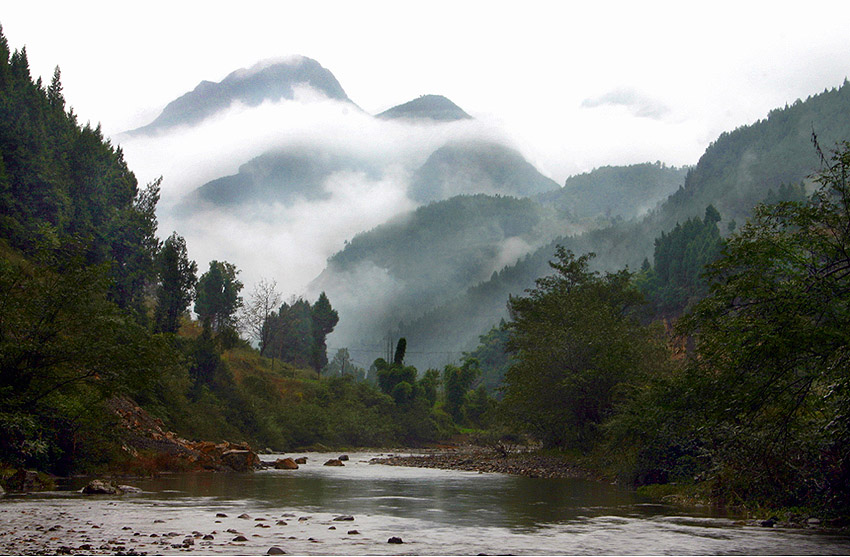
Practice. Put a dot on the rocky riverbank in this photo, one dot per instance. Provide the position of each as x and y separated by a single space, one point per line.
151 448
484 459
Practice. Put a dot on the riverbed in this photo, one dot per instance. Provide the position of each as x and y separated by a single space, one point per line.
357 508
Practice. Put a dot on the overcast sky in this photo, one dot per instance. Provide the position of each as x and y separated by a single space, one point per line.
572 85
576 85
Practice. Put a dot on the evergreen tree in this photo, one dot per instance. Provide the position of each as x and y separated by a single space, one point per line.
176 285
217 296
325 319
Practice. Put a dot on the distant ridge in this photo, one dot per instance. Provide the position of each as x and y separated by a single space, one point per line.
265 81
426 107
470 167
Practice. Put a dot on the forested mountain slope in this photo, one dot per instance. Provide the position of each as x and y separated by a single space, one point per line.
740 169
414 262
617 191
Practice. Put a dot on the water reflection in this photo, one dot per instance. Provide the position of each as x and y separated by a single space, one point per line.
436 511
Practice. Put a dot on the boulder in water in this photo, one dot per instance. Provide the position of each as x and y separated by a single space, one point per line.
285 464
334 462
101 487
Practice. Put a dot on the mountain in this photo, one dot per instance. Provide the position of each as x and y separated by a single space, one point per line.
280 176
470 167
737 171
418 260
426 107
265 81
616 191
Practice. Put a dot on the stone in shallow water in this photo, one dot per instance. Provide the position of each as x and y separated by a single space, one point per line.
395 539
343 518
275 550
240 539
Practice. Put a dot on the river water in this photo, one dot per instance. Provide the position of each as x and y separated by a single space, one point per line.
434 512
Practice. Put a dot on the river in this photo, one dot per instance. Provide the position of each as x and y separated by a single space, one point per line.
432 511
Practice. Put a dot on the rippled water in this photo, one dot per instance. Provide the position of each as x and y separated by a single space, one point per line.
433 511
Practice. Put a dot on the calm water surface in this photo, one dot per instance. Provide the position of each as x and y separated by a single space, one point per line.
433 511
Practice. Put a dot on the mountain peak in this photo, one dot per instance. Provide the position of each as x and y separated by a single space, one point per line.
430 107
268 80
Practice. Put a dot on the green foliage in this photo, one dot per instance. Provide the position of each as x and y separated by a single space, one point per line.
64 348
492 356
576 343
324 319
176 286
676 279
297 333
217 296
456 382
61 183
772 340
617 191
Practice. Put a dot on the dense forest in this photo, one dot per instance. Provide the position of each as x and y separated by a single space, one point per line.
719 367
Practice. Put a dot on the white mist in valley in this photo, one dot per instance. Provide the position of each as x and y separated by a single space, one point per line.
290 242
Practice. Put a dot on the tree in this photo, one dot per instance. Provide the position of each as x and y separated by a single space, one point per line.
396 379
217 296
456 382
254 318
772 365
64 348
176 285
575 339
325 319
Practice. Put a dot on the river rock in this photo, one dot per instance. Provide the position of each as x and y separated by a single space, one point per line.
343 518
395 539
240 539
334 462
240 460
101 487
343 457
301 460
275 550
285 464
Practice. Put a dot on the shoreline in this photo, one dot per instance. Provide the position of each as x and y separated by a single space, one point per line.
526 463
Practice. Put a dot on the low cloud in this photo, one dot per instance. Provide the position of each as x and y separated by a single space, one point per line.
637 103
288 243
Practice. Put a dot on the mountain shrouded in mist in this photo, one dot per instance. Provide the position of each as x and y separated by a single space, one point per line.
265 81
465 168
282 177
430 107
743 167
617 191
418 260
